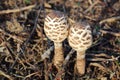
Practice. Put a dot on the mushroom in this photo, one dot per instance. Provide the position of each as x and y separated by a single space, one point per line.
56 29
80 39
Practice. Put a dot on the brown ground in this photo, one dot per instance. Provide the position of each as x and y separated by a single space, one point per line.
22 39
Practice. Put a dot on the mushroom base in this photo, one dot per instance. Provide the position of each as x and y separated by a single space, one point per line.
80 62
58 56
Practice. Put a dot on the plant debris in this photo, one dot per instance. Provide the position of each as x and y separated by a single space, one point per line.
26 53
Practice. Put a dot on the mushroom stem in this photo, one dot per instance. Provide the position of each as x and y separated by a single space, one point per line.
80 62
58 57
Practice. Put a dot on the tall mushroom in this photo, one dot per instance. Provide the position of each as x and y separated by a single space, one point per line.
56 29
80 39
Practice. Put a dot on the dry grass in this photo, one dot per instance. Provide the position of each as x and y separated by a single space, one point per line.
24 46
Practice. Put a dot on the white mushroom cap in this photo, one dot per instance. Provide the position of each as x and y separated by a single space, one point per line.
80 37
56 27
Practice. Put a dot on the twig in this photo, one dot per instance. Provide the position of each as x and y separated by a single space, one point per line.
98 65
47 53
71 21
7 76
99 55
12 36
68 57
112 33
90 1
113 49
35 25
17 10
18 76
30 75
102 59
112 19
91 6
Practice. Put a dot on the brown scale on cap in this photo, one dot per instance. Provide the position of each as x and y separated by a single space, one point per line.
56 29
55 14
80 33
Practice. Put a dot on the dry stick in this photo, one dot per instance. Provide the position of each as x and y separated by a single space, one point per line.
118 50
35 25
47 53
112 19
99 55
18 76
112 33
90 2
12 36
59 74
30 75
17 10
98 65
4 74
68 57
91 6
102 59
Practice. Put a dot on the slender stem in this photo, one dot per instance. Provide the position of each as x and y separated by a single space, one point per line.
80 62
58 57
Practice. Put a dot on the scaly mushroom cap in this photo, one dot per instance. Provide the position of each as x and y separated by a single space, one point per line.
56 27
80 37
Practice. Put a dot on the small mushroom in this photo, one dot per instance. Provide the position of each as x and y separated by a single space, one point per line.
56 29
80 39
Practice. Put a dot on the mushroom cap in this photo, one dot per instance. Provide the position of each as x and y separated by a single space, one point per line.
80 37
55 26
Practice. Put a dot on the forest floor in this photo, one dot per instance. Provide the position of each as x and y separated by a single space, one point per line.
23 41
